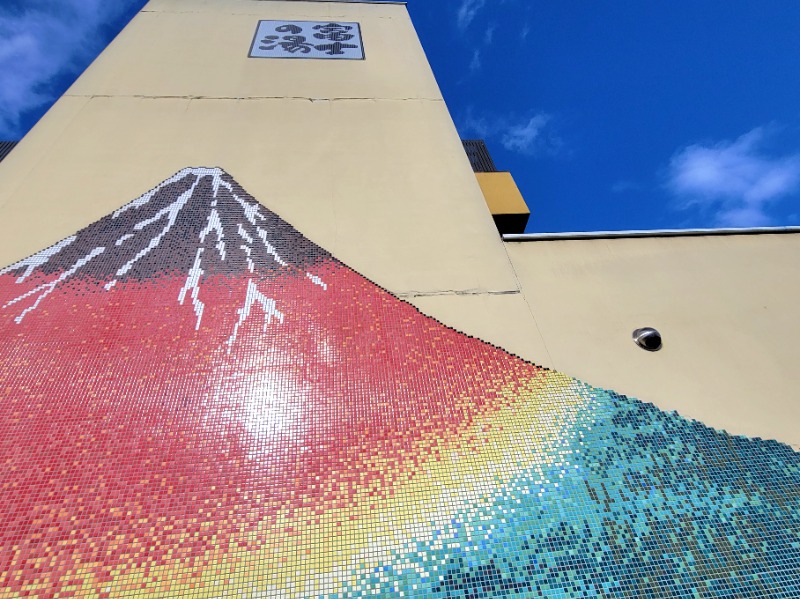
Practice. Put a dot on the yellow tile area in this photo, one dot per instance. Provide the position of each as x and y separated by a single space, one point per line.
501 193
316 551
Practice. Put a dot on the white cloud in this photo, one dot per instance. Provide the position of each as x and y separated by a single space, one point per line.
532 134
467 12
738 180
526 136
488 37
476 62
474 126
40 41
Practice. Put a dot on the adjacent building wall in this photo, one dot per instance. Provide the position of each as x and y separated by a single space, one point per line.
726 307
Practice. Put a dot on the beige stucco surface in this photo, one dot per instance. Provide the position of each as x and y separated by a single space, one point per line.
726 307
200 49
361 156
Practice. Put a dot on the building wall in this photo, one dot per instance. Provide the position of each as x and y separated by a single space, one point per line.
362 155
725 306
199 400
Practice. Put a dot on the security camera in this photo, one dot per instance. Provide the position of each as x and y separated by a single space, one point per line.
648 338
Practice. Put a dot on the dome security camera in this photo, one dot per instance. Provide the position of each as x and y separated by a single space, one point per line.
648 338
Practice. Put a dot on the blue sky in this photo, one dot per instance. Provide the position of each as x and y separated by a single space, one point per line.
610 115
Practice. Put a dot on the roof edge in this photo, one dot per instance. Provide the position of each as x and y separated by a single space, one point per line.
578 235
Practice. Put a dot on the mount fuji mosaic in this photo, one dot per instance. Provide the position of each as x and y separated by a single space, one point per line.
197 401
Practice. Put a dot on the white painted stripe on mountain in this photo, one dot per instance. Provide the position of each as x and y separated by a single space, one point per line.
123 239
244 234
248 250
171 212
254 296
39 259
193 284
214 225
143 199
270 250
199 172
47 288
217 181
250 210
316 280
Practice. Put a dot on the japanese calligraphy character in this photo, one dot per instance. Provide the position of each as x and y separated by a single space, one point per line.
290 43
337 34
334 32
334 48
293 29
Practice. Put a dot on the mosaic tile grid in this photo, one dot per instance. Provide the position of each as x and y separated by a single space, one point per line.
197 401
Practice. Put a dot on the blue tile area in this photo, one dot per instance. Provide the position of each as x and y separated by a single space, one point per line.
651 505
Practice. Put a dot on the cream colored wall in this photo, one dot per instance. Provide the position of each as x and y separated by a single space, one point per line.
362 156
727 307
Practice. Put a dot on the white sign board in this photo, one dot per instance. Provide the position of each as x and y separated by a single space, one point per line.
308 39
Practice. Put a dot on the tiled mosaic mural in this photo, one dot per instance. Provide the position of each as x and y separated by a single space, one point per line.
199 402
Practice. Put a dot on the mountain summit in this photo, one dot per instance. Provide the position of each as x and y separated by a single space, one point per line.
196 224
